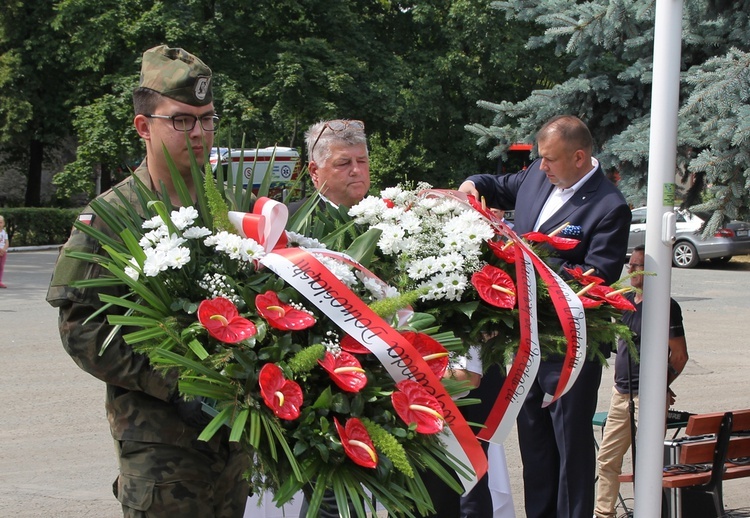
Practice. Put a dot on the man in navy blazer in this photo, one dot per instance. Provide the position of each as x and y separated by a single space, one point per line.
565 185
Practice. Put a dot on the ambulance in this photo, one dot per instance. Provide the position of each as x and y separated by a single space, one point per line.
251 165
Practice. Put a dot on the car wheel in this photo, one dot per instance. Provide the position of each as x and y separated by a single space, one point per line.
684 255
722 260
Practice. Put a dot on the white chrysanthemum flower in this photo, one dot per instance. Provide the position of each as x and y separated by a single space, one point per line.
376 287
444 287
196 232
184 217
392 193
450 262
427 204
178 257
132 273
296 239
251 250
156 261
153 237
393 214
369 211
340 270
448 206
452 243
154 222
390 238
411 223
431 291
479 232
169 242
423 268
470 227
455 284
230 244
133 270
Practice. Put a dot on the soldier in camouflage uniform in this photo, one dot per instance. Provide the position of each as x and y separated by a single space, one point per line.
165 471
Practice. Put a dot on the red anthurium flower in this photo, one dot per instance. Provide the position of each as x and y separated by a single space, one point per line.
357 443
282 316
222 321
431 350
585 278
414 404
611 296
350 345
345 371
559 243
504 251
495 287
589 303
281 395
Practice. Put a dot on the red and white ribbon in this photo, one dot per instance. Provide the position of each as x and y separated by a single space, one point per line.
265 224
569 309
301 270
523 371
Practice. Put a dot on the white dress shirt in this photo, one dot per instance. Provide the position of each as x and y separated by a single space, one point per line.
558 197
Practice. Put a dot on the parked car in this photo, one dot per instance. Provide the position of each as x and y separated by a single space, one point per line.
689 248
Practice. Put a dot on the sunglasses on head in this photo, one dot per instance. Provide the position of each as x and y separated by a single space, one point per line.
337 126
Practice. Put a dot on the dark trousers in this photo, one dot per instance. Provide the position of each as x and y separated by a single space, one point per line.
557 445
477 503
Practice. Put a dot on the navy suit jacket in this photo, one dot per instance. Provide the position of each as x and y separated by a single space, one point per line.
597 210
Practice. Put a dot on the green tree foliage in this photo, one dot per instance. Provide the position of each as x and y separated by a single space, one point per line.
610 44
37 87
412 71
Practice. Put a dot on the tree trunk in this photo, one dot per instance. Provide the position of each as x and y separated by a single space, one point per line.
34 183
105 180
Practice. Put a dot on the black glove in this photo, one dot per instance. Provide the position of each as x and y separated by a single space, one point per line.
191 412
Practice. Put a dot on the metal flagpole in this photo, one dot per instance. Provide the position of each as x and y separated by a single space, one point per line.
659 239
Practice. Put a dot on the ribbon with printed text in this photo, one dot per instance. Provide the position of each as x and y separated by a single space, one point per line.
302 271
525 366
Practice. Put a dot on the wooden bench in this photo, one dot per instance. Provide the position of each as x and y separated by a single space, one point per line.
716 447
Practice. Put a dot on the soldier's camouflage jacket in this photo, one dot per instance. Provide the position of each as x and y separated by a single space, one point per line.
138 397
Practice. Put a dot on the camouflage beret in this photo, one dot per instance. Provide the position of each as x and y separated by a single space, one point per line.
177 74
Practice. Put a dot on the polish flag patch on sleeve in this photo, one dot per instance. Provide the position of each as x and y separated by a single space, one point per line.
86 219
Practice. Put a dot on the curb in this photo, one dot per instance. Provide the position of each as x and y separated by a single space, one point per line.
32 248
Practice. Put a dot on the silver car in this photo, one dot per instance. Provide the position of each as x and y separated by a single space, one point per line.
689 248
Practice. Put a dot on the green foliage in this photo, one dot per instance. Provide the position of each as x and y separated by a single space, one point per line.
102 144
38 226
397 161
413 74
610 45
34 115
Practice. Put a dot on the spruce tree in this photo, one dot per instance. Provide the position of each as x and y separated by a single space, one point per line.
610 44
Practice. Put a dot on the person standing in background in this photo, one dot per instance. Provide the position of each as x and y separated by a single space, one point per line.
339 166
338 162
565 185
617 430
4 245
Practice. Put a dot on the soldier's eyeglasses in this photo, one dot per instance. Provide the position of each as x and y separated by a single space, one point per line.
635 266
337 126
187 122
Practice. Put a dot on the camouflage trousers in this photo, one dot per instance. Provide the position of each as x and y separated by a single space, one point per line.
162 480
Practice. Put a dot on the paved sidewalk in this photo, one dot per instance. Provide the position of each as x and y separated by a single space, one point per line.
56 454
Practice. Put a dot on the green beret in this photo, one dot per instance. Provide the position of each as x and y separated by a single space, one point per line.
177 74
